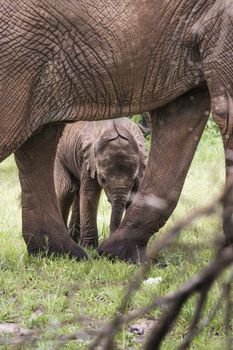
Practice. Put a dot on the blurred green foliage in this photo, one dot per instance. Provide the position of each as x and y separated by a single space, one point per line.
212 128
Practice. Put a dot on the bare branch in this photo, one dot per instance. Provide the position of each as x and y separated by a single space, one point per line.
199 283
228 315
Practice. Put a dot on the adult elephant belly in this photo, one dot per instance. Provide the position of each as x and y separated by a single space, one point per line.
116 59
90 60
114 66
131 64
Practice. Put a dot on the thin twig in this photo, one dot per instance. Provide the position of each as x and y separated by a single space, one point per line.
197 316
228 316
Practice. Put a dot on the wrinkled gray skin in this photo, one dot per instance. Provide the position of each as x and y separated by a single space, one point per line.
109 155
67 61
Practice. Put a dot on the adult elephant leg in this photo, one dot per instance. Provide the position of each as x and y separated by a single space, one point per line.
89 200
43 226
222 108
74 224
176 129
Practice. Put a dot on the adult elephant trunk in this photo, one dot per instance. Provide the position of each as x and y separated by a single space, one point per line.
118 207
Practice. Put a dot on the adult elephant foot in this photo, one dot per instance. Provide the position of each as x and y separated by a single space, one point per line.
74 251
43 227
47 246
124 249
176 131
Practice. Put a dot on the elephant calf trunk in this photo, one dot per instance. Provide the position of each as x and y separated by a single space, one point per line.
117 213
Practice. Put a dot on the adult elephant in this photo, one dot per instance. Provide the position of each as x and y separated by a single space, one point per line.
66 61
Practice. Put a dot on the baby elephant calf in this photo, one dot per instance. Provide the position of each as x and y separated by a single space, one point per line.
91 156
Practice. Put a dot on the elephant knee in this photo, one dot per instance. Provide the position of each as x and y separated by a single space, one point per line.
219 106
222 109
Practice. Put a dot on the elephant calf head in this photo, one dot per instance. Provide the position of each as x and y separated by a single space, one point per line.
118 161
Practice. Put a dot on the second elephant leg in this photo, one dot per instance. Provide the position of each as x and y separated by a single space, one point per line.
176 131
64 189
222 107
74 224
43 226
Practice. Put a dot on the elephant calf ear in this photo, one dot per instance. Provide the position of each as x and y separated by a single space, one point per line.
91 167
138 137
88 149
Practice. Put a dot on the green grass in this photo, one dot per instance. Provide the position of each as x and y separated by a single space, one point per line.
59 296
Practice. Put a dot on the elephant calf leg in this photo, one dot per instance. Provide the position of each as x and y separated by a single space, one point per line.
176 129
64 189
43 226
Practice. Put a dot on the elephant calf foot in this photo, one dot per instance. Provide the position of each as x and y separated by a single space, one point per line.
89 243
124 249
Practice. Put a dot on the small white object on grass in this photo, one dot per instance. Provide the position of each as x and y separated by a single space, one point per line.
152 280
